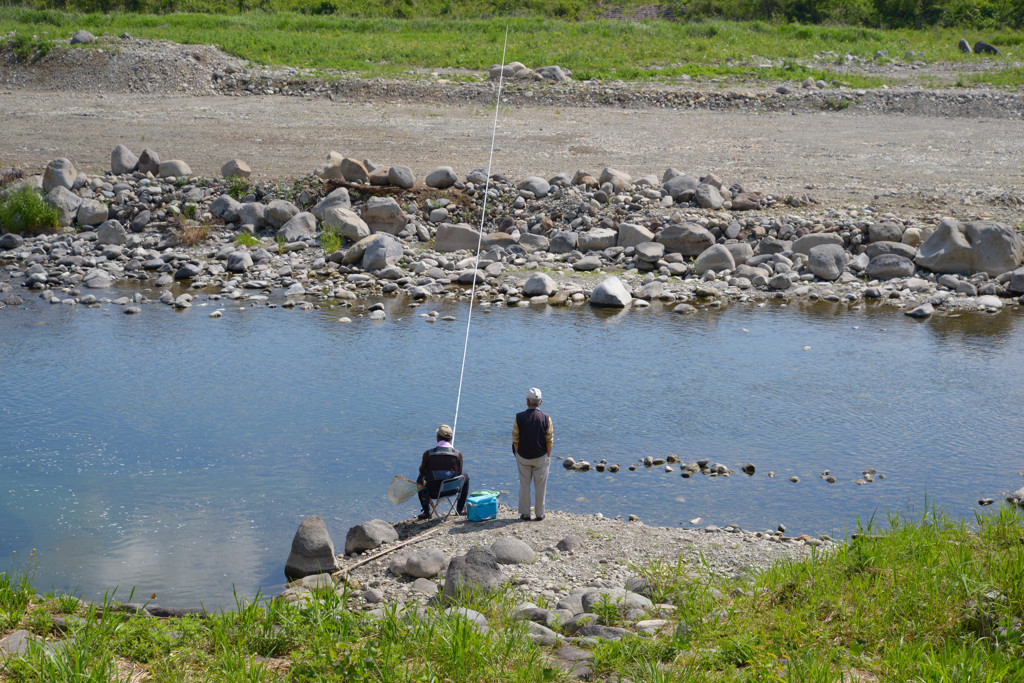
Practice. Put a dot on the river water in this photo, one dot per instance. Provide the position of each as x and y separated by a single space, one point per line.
177 454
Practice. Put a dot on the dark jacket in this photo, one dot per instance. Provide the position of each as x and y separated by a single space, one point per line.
441 462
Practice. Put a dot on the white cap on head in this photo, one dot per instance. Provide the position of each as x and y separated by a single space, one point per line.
533 394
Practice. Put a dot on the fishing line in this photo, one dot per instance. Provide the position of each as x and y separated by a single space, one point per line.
480 237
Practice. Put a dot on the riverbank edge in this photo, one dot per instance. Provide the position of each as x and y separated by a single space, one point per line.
696 626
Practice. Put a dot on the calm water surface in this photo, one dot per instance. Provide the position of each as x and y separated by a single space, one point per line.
177 453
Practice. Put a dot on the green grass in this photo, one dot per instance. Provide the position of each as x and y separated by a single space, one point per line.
245 239
330 241
926 599
25 211
603 49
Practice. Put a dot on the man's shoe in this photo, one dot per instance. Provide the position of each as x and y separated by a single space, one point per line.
539 518
525 518
461 513
423 515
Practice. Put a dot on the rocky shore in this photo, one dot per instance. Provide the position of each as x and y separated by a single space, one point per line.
353 230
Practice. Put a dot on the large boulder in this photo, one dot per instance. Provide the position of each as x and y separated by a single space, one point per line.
611 293
354 171
803 245
300 226
563 241
401 176
239 261
441 177
538 187
887 231
279 212
346 223
741 251
111 232
66 202
381 251
149 162
235 168
312 550
471 575
383 214
886 266
540 284
456 237
827 261
716 257
978 247
225 207
59 173
426 563
597 239
619 597
620 181
175 168
92 212
708 197
369 535
631 235
252 213
98 278
513 551
122 161
681 187
688 239
337 199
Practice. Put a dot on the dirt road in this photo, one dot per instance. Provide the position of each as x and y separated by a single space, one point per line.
837 158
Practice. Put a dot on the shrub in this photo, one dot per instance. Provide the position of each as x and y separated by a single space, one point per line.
190 233
330 241
246 240
25 211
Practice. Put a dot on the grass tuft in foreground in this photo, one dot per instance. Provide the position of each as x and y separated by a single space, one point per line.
928 599
24 211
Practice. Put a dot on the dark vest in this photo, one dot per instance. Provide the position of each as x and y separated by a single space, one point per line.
533 430
442 463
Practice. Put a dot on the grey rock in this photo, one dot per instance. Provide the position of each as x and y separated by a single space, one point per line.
346 223
630 235
772 245
964 46
532 242
82 37
780 282
59 173
597 239
887 266
978 247
885 232
539 284
619 180
300 226
149 162
827 261
401 176
337 199
236 168
122 161
512 551
681 187
536 186
381 251
708 197
426 563
252 213
570 543
111 232
716 257
983 48
456 237
562 242
650 252
471 574
541 635
239 261
741 252
425 586
923 311
804 244
187 271
92 212
98 279
441 177
174 168
312 550
554 73
225 207
887 247
612 293
369 535
620 597
278 212
17 643
1016 498
1016 284
688 239
10 240
383 214
354 171
601 632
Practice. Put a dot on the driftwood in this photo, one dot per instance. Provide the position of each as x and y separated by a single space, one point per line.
371 558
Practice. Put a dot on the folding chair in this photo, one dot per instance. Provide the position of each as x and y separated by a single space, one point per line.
449 489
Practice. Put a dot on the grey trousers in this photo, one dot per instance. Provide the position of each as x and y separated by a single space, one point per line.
532 470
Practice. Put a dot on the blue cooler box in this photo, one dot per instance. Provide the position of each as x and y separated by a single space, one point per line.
482 508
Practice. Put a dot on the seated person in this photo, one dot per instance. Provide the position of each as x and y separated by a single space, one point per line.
439 463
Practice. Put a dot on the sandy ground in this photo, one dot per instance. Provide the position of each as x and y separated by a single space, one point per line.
888 160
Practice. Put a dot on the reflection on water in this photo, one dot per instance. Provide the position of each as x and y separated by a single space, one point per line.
177 453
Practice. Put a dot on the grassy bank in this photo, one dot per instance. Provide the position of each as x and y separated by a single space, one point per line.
928 599
605 49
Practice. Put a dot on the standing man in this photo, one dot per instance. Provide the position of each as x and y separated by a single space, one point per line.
532 437
439 463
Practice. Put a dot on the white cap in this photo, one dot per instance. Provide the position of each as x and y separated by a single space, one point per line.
533 394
